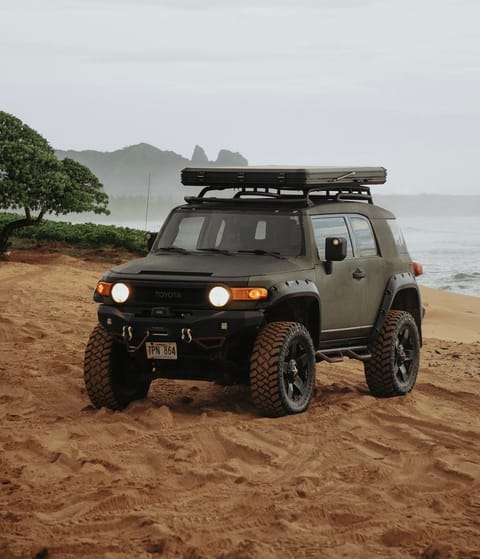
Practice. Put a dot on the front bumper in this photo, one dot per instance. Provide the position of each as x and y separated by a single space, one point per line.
199 332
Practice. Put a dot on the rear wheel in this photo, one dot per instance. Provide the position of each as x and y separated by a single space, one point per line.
108 378
393 367
282 369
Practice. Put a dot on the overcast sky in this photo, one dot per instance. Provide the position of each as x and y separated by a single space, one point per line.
320 82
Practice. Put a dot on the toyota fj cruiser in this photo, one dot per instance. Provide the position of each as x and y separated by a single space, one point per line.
266 271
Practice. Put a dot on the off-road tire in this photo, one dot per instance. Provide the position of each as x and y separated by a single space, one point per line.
393 367
282 369
108 381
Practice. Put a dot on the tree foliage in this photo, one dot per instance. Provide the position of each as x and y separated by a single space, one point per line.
34 180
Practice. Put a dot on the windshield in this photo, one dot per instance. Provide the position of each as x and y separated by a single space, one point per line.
232 232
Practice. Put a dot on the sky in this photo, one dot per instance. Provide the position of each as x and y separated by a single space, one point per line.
295 82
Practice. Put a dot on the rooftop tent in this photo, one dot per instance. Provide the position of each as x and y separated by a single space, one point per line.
282 177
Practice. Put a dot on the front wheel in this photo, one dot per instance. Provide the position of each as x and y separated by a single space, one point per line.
109 380
393 367
282 369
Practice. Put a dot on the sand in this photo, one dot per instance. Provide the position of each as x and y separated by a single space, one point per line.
194 472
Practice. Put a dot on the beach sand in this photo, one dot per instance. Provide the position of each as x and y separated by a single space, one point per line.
194 472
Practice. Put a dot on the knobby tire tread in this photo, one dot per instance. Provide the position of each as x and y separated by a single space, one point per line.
378 368
264 379
97 374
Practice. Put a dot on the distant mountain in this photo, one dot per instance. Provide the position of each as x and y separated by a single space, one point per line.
126 172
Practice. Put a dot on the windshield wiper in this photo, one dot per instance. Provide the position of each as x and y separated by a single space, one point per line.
173 248
264 253
219 250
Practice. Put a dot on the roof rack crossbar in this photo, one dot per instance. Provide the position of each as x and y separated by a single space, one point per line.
342 196
300 200
265 194
303 194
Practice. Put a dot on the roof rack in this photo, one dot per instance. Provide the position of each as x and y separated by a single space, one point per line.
284 184
247 194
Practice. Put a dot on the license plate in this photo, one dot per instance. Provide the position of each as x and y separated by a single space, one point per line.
161 350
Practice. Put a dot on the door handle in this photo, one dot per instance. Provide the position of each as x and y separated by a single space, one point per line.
358 274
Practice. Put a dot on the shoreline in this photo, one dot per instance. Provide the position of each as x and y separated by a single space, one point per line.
450 316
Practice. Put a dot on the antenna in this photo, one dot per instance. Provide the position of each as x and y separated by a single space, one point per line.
148 200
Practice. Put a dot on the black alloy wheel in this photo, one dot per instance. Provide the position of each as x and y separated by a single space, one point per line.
393 367
282 369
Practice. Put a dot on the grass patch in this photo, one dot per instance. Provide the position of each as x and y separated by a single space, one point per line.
77 236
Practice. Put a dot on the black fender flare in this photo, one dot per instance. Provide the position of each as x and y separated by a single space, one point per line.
397 283
296 288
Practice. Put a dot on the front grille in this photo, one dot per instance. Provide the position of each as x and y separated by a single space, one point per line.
170 295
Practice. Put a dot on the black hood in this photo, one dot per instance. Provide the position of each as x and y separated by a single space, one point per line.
209 265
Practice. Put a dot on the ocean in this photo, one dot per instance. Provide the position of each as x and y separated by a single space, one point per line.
449 250
447 247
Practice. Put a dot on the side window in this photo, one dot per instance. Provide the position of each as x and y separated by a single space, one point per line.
364 240
397 235
334 226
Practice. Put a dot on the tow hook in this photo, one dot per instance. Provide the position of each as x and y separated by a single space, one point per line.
187 335
127 336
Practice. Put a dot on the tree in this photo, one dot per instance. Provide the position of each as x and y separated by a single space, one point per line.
34 180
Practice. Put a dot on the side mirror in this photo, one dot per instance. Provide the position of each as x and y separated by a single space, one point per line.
335 251
150 238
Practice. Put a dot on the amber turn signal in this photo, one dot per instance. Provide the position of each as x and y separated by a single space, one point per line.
417 269
249 293
104 288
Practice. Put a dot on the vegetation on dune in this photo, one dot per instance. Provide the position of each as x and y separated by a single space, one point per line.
82 235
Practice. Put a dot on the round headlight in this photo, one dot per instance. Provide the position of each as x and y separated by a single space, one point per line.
120 292
219 296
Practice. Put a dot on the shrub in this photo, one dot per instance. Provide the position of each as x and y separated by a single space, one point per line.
82 235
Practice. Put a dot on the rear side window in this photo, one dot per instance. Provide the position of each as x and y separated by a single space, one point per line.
397 235
334 226
365 242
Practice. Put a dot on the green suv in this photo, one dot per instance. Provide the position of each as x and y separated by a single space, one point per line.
267 271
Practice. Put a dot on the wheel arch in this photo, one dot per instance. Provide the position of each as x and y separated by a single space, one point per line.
403 294
296 301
